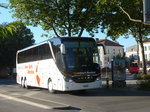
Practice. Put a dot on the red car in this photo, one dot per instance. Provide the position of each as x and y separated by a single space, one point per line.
134 68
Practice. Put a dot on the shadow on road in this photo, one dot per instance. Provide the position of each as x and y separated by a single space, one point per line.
111 92
67 108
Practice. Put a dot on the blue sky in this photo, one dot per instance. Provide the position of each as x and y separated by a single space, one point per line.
6 16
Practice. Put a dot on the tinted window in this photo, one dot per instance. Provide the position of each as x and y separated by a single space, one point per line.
21 57
81 55
56 46
28 55
44 52
37 53
57 53
133 65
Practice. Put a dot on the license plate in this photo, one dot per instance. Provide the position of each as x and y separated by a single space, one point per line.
85 85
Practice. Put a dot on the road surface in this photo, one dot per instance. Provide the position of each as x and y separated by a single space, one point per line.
13 98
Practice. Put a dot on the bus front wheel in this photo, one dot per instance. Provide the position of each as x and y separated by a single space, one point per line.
50 87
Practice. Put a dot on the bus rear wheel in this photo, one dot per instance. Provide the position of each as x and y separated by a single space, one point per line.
26 84
50 87
22 83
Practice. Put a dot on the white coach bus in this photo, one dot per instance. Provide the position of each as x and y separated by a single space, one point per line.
63 64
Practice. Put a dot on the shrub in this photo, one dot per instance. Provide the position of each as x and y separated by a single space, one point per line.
143 82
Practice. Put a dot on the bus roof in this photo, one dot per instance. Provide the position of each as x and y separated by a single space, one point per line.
71 38
35 45
76 38
60 38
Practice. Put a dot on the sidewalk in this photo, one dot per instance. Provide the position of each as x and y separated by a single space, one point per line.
131 85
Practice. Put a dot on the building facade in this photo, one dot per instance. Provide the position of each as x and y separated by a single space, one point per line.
135 51
112 49
132 52
146 50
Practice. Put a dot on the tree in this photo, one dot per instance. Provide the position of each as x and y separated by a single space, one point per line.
64 17
117 20
5 29
21 38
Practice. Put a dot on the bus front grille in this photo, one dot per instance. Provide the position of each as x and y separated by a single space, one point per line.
84 79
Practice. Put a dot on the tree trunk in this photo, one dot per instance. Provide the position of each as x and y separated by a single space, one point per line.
143 55
137 50
138 53
82 29
55 32
69 32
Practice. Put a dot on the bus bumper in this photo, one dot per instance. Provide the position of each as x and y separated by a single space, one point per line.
71 86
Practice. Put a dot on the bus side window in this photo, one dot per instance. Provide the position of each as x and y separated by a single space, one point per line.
25 56
20 57
35 54
44 52
59 60
29 56
57 53
47 53
41 52
56 46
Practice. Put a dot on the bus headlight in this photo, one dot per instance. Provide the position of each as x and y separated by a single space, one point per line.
99 77
68 79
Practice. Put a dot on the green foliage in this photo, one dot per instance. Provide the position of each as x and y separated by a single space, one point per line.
124 18
64 17
144 82
19 39
119 57
144 77
115 22
6 29
3 5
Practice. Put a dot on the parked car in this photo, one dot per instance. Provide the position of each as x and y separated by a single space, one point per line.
148 68
134 68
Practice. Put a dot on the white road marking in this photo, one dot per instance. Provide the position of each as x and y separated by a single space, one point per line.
50 101
31 93
25 101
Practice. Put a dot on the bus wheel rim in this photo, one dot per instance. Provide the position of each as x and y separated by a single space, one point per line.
22 83
50 86
25 84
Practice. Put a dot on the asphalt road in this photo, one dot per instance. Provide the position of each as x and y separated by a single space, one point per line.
13 98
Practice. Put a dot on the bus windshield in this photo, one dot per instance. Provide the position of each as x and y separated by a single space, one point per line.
81 56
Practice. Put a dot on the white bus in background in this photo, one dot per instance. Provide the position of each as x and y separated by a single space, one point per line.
63 64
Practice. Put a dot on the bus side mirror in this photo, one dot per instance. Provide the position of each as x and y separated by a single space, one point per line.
103 48
62 49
